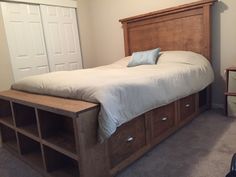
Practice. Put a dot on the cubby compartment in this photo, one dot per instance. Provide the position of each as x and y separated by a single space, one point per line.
57 130
8 137
60 165
31 150
25 118
5 112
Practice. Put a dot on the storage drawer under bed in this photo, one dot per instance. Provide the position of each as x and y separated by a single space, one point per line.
128 139
187 107
163 120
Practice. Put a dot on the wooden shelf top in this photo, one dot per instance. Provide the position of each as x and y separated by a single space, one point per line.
233 68
67 107
230 94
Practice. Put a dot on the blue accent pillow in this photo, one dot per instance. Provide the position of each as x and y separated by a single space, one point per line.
148 57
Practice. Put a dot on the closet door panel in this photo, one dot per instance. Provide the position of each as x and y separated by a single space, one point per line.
16 30
36 38
61 30
25 39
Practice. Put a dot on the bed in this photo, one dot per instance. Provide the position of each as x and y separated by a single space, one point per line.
58 136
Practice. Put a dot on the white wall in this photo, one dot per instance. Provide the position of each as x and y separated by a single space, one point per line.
104 33
85 32
224 44
6 75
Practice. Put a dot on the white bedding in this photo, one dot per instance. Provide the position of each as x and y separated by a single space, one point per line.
125 93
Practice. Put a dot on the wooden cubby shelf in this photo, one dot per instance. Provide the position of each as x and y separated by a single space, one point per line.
6 113
44 131
25 118
9 137
57 130
31 150
60 165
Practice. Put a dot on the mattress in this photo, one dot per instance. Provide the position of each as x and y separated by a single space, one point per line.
125 93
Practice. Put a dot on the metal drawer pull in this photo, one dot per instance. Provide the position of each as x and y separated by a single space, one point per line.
164 119
130 139
187 105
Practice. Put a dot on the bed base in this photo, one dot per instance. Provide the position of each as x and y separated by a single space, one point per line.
58 136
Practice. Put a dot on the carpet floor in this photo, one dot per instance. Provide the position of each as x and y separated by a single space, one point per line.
203 148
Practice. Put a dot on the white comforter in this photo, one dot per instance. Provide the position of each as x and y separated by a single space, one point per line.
124 93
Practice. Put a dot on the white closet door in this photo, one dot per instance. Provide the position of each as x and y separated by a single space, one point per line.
25 39
62 38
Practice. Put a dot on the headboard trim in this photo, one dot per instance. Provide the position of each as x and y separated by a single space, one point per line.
180 22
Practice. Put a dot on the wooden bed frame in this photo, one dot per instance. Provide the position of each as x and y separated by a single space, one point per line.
58 136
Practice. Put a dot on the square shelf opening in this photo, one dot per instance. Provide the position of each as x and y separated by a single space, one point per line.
58 130
5 112
25 118
31 150
8 137
60 165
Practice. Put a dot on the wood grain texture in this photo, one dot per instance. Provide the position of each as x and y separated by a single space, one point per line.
185 27
94 159
128 139
163 119
187 107
63 106
46 139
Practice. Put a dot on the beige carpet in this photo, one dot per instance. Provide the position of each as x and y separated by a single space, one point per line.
203 148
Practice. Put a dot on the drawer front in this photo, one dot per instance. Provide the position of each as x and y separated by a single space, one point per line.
231 106
232 81
187 107
128 139
163 120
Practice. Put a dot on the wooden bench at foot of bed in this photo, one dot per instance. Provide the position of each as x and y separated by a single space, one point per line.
58 137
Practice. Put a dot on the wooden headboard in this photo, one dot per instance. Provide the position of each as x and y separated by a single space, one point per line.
186 27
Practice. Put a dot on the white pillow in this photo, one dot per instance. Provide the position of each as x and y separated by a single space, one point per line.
186 57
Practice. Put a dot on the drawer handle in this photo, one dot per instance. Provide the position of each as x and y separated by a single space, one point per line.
164 119
187 105
130 139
